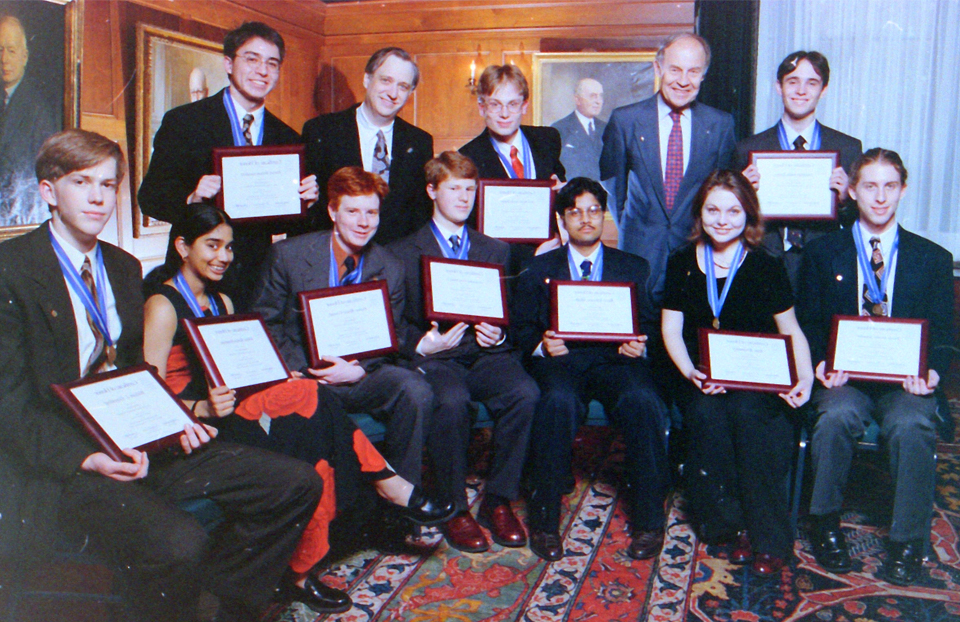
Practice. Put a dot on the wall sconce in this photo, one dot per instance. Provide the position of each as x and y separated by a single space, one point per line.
472 82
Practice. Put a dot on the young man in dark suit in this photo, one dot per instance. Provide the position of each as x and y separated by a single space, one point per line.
181 167
389 392
802 80
876 267
571 374
581 131
57 328
660 150
465 363
372 136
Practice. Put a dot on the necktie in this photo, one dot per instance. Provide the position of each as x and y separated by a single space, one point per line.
799 143
585 267
247 122
516 163
795 237
96 357
349 265
674 172
592 129
3 101
381 159
455 243
876 265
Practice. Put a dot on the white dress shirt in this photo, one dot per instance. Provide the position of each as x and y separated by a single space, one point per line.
586 122
517 142
886 245
85 337
666 124
368 138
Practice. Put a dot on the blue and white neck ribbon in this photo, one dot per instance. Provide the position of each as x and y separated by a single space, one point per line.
236 126
444 243
596 271
184 288
507 164
351 278
785 145
97 309
716 304
875 291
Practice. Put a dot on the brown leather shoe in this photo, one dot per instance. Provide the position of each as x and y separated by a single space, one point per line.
503 525
547 545
645 544
464 534
766 565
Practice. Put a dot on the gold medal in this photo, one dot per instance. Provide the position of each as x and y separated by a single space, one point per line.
878 310
716 323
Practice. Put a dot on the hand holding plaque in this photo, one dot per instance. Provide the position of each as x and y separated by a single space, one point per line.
129 408
463 291
260 183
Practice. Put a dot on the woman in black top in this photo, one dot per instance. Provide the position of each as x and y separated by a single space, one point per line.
740 441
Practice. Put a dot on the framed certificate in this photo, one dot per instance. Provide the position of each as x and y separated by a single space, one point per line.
750 361
594 311
129 408
464 291
352 321
236 351
261 183
515 210
795 185
882 349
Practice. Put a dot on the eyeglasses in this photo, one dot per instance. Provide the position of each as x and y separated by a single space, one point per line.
495 106
593 212
255 61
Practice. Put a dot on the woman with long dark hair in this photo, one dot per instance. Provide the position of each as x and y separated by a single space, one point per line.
298 418
740 441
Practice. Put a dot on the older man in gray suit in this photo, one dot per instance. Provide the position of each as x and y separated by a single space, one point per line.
581 132
660 150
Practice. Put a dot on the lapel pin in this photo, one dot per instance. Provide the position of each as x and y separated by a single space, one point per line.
839 277
53 313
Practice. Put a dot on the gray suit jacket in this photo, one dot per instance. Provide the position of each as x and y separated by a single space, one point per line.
302 264
580 154
631 157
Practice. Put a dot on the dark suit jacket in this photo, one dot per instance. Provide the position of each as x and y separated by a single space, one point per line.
544 146
830 140
333 141
302 264
923 289
631 157
30 117
530 311
423 243
580 154
182 153
41 442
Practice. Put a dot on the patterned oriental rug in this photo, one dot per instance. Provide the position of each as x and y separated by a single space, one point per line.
689 582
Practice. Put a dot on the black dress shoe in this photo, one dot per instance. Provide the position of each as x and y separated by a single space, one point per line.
547 545
766 565
423 510
903 563
319 597
645 544
829 545
742 551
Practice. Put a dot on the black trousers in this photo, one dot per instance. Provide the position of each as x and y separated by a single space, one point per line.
739 455
626 389
164 553
510 395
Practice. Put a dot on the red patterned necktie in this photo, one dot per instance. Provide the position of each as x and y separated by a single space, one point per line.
516 163
674 172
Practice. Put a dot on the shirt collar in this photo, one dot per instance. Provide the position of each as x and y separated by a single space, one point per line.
578 258
807 133
242 112
585 121
886 238
75 256
664 109
444 228
363 119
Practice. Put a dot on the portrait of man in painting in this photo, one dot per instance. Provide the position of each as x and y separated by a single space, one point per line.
31 102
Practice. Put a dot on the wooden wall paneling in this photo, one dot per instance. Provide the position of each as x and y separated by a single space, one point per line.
345 74
444 105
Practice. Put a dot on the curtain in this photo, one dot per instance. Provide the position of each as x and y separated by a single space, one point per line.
894 83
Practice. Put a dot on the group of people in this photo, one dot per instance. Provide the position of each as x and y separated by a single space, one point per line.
288 468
